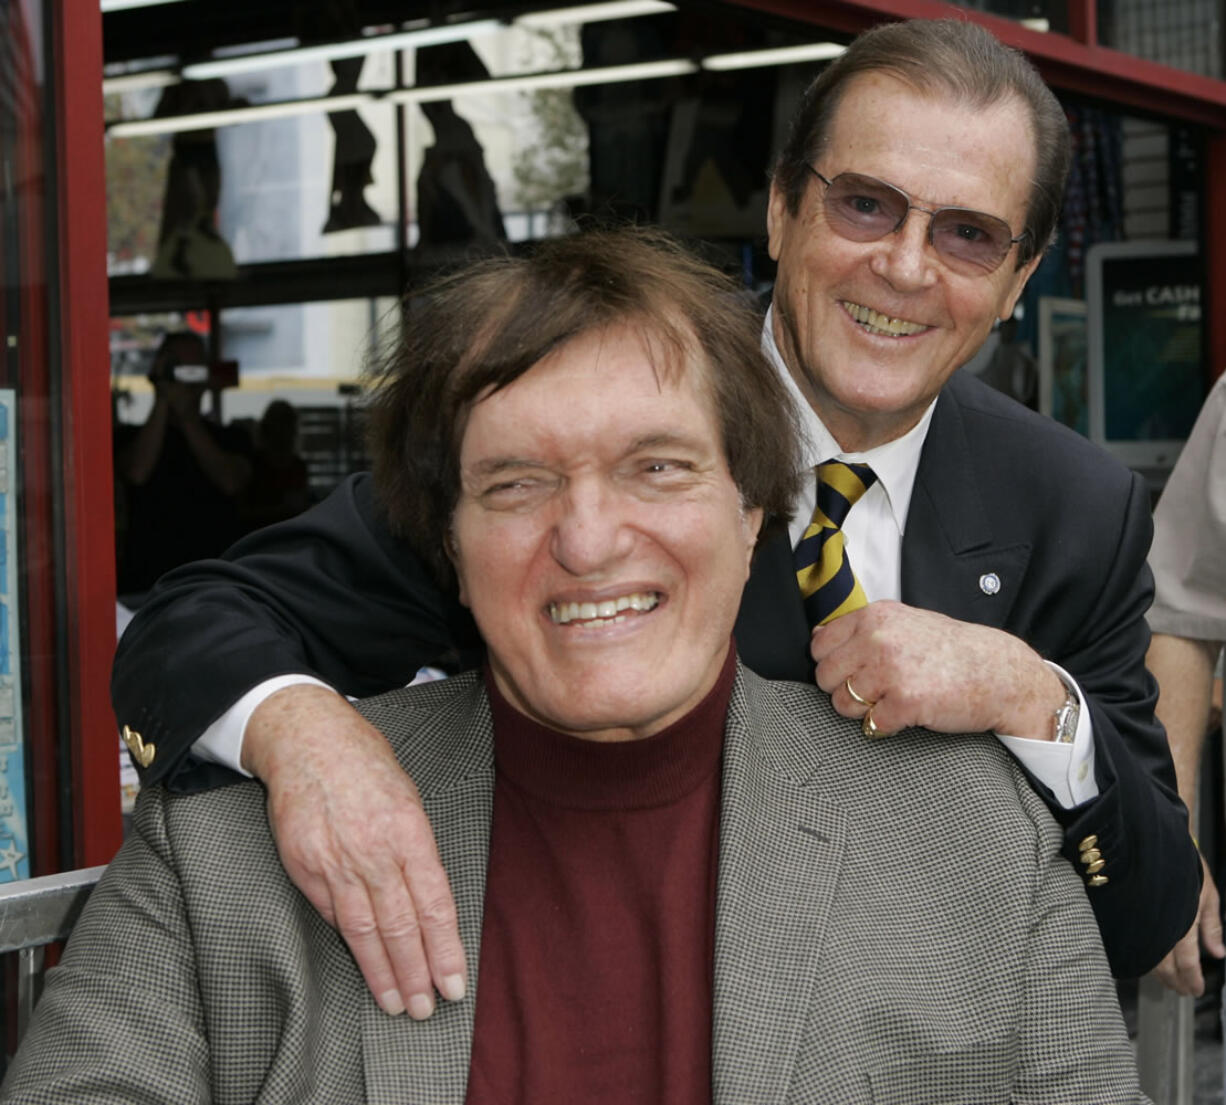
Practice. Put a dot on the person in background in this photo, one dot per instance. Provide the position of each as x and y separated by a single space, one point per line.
279 486
683 884
1002 556
1188 619
183 473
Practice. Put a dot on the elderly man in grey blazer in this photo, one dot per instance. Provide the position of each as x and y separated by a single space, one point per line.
676 882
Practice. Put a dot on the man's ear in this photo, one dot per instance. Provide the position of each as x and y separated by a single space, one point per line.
777 218
453 554
751 521
1017 286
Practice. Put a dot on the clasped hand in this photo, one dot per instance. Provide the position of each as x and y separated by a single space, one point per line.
917 667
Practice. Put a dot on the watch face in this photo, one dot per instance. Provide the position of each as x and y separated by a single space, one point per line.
1066 721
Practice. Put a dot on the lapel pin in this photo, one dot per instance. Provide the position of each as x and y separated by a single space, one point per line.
989 583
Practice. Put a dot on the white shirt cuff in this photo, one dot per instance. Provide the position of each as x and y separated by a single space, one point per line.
1068 769
222 742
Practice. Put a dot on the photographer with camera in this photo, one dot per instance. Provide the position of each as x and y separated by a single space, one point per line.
183 472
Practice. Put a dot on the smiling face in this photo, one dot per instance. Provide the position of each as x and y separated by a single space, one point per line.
872 330
599 539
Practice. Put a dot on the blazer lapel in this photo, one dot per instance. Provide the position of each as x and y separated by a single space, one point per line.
772 631
950 561
410 1061
781 846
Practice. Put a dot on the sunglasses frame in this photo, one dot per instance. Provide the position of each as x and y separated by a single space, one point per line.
932 213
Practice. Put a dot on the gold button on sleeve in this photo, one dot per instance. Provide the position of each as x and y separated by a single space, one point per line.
142 753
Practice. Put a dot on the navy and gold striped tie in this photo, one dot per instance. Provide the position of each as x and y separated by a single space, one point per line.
829 586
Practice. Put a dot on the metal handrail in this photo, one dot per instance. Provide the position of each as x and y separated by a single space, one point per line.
34 913
40 911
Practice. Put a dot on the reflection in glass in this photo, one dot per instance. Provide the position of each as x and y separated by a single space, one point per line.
1184 34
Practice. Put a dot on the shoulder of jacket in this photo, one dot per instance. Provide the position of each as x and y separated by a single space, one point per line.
938 775
440 731
1006 428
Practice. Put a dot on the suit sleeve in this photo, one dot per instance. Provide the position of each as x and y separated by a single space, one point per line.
1150 864
1073 1043
121 1018
330 593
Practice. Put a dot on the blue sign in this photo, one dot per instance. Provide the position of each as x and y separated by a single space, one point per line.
14 840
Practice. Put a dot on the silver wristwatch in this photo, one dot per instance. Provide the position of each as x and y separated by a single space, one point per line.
1064 720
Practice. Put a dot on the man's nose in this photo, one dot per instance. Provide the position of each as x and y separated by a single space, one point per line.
591 531
906 258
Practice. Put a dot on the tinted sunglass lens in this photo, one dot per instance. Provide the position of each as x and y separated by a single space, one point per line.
864 209
969 236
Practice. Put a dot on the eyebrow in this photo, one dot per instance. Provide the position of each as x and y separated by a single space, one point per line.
491 466
666 438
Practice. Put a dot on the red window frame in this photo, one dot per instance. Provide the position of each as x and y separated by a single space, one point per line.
84 321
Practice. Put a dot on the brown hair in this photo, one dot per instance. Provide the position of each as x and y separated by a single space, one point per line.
954 57
483 328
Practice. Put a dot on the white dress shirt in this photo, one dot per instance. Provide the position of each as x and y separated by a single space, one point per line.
873 535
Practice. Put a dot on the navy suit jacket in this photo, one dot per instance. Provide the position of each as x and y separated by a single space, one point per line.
998 490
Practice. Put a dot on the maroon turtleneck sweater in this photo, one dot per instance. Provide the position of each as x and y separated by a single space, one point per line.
598 938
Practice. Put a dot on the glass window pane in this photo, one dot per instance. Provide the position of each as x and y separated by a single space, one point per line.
1044 15
1184 34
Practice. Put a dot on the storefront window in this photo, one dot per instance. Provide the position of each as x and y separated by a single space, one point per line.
1184 34
495 166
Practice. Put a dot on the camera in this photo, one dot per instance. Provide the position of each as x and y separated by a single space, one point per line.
190 374
218 374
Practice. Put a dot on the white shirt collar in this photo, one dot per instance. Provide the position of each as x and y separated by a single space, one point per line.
896 462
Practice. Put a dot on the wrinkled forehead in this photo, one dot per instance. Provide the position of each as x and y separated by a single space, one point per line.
923 90
932 140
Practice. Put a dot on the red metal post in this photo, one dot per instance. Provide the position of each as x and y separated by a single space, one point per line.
1083 21
89 570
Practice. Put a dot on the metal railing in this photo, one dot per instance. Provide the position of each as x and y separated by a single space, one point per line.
33 914
1166 1031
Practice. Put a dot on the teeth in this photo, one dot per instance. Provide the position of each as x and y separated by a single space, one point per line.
601 613
877 323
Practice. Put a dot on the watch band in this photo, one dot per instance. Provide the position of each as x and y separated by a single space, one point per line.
1064 720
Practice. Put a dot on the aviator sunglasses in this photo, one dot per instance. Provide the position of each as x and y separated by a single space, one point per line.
865 209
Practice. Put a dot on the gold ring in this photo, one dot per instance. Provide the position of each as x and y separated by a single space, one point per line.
851 691
868 726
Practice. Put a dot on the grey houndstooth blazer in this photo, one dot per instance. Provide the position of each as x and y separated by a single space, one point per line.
894 924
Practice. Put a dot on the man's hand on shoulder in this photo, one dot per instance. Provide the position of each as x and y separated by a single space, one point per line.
917 667
355 840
